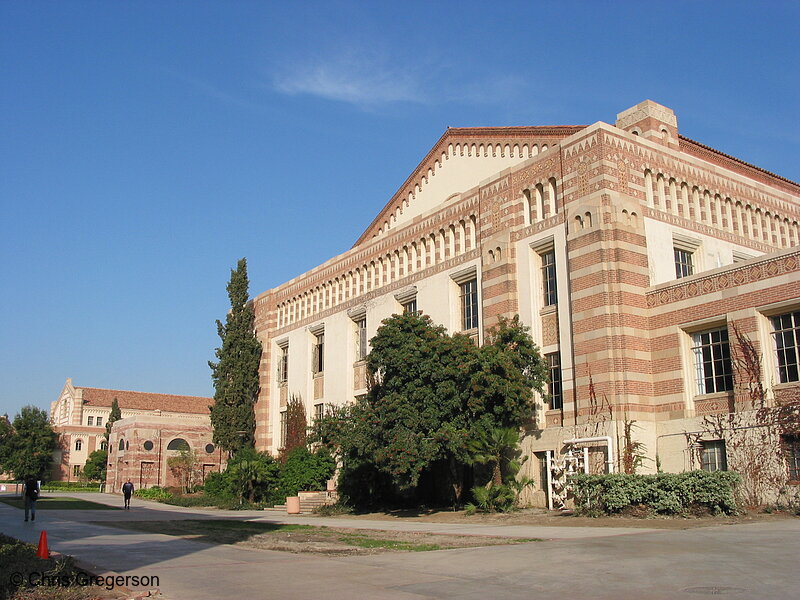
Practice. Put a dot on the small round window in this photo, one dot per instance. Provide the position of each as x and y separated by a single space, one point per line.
148 445
210 448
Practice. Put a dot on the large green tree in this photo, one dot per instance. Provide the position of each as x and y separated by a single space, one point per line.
235 373
430 394
96 464
29 448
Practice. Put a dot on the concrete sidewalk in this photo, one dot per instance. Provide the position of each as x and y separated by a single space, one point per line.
744 561
146 510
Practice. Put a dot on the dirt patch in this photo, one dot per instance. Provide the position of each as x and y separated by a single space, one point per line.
544 518
334 541
352 542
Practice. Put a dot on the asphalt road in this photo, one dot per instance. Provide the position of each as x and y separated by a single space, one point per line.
759 560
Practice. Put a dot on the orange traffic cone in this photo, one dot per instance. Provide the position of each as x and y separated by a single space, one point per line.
43 552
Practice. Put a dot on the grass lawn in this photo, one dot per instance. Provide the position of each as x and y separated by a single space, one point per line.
311 538
60 503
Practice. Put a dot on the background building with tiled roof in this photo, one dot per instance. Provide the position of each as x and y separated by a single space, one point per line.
80 414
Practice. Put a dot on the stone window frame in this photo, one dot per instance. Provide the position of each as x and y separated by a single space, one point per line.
283 362
318 349
359 317
545 251
469 300
555 385
685 255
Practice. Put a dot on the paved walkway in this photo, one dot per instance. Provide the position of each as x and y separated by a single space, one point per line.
743 561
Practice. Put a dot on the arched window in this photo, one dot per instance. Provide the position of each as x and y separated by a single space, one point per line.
178 444
78 444
122 444
104 445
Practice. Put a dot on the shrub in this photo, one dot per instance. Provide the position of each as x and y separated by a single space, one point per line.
153 493
664 493
306 471
83 486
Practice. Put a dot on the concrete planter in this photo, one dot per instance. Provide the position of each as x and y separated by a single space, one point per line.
293 505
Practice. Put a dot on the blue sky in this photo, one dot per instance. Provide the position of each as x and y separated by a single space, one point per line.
146 146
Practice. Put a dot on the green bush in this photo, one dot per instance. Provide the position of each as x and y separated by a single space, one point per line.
153 493
306 471
664 493
72 486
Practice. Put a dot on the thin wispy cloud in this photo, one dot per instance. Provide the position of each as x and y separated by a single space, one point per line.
353 79
212 91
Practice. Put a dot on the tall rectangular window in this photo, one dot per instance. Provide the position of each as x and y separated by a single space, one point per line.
99 421
683 263
712 358
410 307
361 338
283 364
284 427
318 358
90 420
550 295
554 382
786 333
469 304
319 411
712 456
791 450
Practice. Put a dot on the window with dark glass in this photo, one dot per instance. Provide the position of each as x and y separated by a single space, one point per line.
786 333
284 425
550 295
712 357
78 444
791 450
318 359
683 263
283 364
361 339
712 456
469 304
554 381
410 307
90 420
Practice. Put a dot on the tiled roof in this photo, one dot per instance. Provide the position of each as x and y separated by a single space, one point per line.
146 400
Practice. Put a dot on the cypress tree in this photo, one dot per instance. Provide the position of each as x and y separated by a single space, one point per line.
235 373
114 415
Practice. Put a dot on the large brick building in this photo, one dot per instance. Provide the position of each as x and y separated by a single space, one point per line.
634 254
80 414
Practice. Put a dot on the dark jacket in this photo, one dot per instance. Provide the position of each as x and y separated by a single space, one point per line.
127 488
32 489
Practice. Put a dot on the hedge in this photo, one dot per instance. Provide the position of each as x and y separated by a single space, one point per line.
76 486
664 493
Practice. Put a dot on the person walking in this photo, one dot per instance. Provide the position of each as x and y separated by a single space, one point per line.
31 496
127 492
